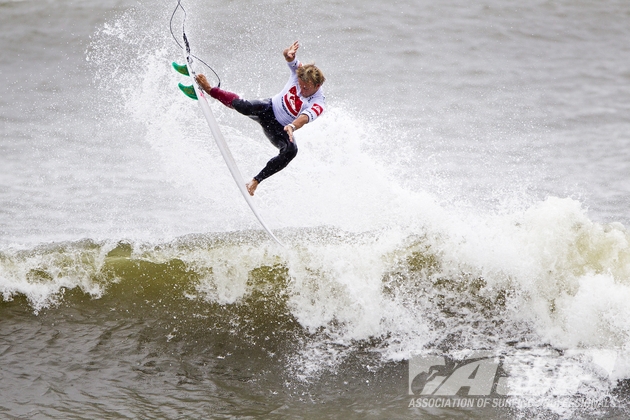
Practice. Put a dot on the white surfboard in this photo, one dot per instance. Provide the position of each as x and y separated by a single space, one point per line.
221 143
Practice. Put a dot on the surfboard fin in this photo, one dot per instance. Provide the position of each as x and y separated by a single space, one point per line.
182 69
188 91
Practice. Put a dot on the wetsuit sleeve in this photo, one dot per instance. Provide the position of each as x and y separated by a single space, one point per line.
293 65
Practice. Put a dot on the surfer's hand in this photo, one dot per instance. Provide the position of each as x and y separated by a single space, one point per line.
289 129
289 53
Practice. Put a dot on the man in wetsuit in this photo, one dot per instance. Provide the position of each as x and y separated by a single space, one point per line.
300 102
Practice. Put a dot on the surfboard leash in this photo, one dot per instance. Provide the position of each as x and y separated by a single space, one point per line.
179 6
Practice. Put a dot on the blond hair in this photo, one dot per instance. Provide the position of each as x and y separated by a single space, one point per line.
310 73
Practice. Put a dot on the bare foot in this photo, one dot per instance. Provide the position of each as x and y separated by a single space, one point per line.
203 83
251 186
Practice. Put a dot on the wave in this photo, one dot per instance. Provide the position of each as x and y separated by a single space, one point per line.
547 275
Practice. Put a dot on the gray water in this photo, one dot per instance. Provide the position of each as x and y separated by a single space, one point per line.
466 190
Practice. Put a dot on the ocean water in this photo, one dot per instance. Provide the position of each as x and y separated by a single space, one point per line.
455 221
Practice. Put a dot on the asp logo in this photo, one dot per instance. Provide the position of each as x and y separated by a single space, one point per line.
523 373
438 376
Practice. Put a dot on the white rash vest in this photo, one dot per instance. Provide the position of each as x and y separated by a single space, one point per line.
289 104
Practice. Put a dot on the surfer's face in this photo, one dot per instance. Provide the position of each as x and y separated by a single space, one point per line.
307 88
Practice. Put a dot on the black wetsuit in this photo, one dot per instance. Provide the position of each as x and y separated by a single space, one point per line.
262 112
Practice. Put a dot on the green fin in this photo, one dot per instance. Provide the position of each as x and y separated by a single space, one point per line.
188 91
183 69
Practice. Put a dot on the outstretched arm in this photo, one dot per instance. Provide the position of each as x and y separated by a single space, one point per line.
289 53
299 122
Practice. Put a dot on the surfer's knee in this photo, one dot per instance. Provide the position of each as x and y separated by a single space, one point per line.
286 155
240 105
289 151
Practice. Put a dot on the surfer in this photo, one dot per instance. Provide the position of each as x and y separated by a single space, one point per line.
300 102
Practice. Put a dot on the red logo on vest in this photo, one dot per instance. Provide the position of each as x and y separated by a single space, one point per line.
293 101
317 109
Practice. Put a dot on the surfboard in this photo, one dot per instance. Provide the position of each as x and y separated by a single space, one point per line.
200 95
